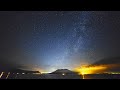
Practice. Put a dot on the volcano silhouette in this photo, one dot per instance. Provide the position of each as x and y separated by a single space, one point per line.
64 71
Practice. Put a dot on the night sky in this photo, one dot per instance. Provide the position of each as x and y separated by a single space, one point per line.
50 40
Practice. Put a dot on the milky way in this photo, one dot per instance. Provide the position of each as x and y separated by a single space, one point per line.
58 39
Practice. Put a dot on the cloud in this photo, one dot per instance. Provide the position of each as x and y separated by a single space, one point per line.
6 65
112 64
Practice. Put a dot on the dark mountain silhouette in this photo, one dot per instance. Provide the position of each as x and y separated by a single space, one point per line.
63 71
23 71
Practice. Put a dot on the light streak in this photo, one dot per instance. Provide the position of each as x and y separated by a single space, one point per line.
1 74
8 75
83 76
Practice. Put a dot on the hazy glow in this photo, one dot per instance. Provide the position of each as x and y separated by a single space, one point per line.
90 70
45 72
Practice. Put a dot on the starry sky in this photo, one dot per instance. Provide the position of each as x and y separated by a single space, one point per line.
50 40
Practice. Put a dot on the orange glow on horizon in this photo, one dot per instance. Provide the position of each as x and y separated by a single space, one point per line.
90 69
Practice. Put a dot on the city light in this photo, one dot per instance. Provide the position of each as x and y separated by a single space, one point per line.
63 73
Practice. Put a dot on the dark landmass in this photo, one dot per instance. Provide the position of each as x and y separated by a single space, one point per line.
23 71
58 74
64 71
